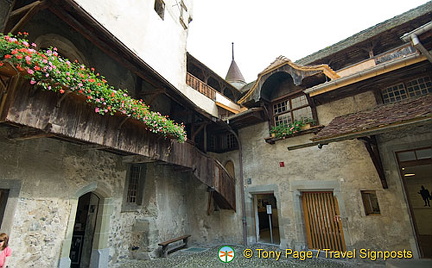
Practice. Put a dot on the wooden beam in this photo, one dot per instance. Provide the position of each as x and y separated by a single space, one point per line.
137 159
372 148
24 8
90 147
303 145
153 94
200 127
31 10
28 134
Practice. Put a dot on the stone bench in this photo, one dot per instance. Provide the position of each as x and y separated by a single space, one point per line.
166 250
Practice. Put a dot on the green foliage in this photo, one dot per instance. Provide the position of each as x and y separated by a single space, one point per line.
52 72
283 130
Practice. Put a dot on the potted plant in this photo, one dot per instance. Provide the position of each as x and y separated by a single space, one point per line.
307 123
283 130
48 70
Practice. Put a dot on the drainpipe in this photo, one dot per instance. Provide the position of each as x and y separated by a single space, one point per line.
413 38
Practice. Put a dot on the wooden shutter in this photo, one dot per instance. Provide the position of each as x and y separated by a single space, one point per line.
322 221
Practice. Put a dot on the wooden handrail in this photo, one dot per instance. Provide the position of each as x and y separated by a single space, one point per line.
200 86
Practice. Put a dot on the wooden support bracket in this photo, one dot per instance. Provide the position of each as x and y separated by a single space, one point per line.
62 98
122 122
153 94
372 147
137 159
28 10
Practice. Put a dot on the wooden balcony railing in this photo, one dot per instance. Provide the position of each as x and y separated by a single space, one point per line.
399 52
393 54
200 86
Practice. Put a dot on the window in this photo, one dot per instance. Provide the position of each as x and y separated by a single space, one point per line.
289 110
370 203
416 87
184 20
159 7
211 143
222 142
231 141
135 184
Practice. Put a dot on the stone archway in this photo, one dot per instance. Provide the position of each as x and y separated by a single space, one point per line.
95 242
84 230
64 46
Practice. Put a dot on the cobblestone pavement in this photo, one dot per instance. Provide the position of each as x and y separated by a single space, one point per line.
199 256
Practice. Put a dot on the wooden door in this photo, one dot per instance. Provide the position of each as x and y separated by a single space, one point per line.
322 221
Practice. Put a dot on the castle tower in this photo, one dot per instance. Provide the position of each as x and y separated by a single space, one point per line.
234 76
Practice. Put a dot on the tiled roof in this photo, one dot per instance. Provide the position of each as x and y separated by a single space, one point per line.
234 74
380 118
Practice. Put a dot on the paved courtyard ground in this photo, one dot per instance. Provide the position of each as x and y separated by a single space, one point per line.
201 256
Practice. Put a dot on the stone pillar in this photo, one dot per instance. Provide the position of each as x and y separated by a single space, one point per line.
100 252
65 261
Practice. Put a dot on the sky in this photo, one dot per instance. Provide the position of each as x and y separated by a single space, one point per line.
262 30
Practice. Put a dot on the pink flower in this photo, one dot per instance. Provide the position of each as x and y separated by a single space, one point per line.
32 82
97 110
30 71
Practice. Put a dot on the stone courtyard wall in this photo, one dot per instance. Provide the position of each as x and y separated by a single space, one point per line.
343 167
53 174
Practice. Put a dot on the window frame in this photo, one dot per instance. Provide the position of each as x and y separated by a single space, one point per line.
139 197
367 202
159 7
405 88
289 98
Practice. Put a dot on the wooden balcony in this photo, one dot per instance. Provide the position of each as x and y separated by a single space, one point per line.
394 54
200 86
41 113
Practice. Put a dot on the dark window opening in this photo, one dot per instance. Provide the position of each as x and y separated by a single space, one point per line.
159 7
4 194
370 202
135 185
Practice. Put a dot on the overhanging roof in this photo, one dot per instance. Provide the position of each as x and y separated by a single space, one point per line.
377 120
298 72
385 27
381 119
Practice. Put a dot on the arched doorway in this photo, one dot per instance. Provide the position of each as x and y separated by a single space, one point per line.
229 166
84 230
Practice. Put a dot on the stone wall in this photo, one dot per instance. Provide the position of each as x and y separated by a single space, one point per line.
52 174
343 167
